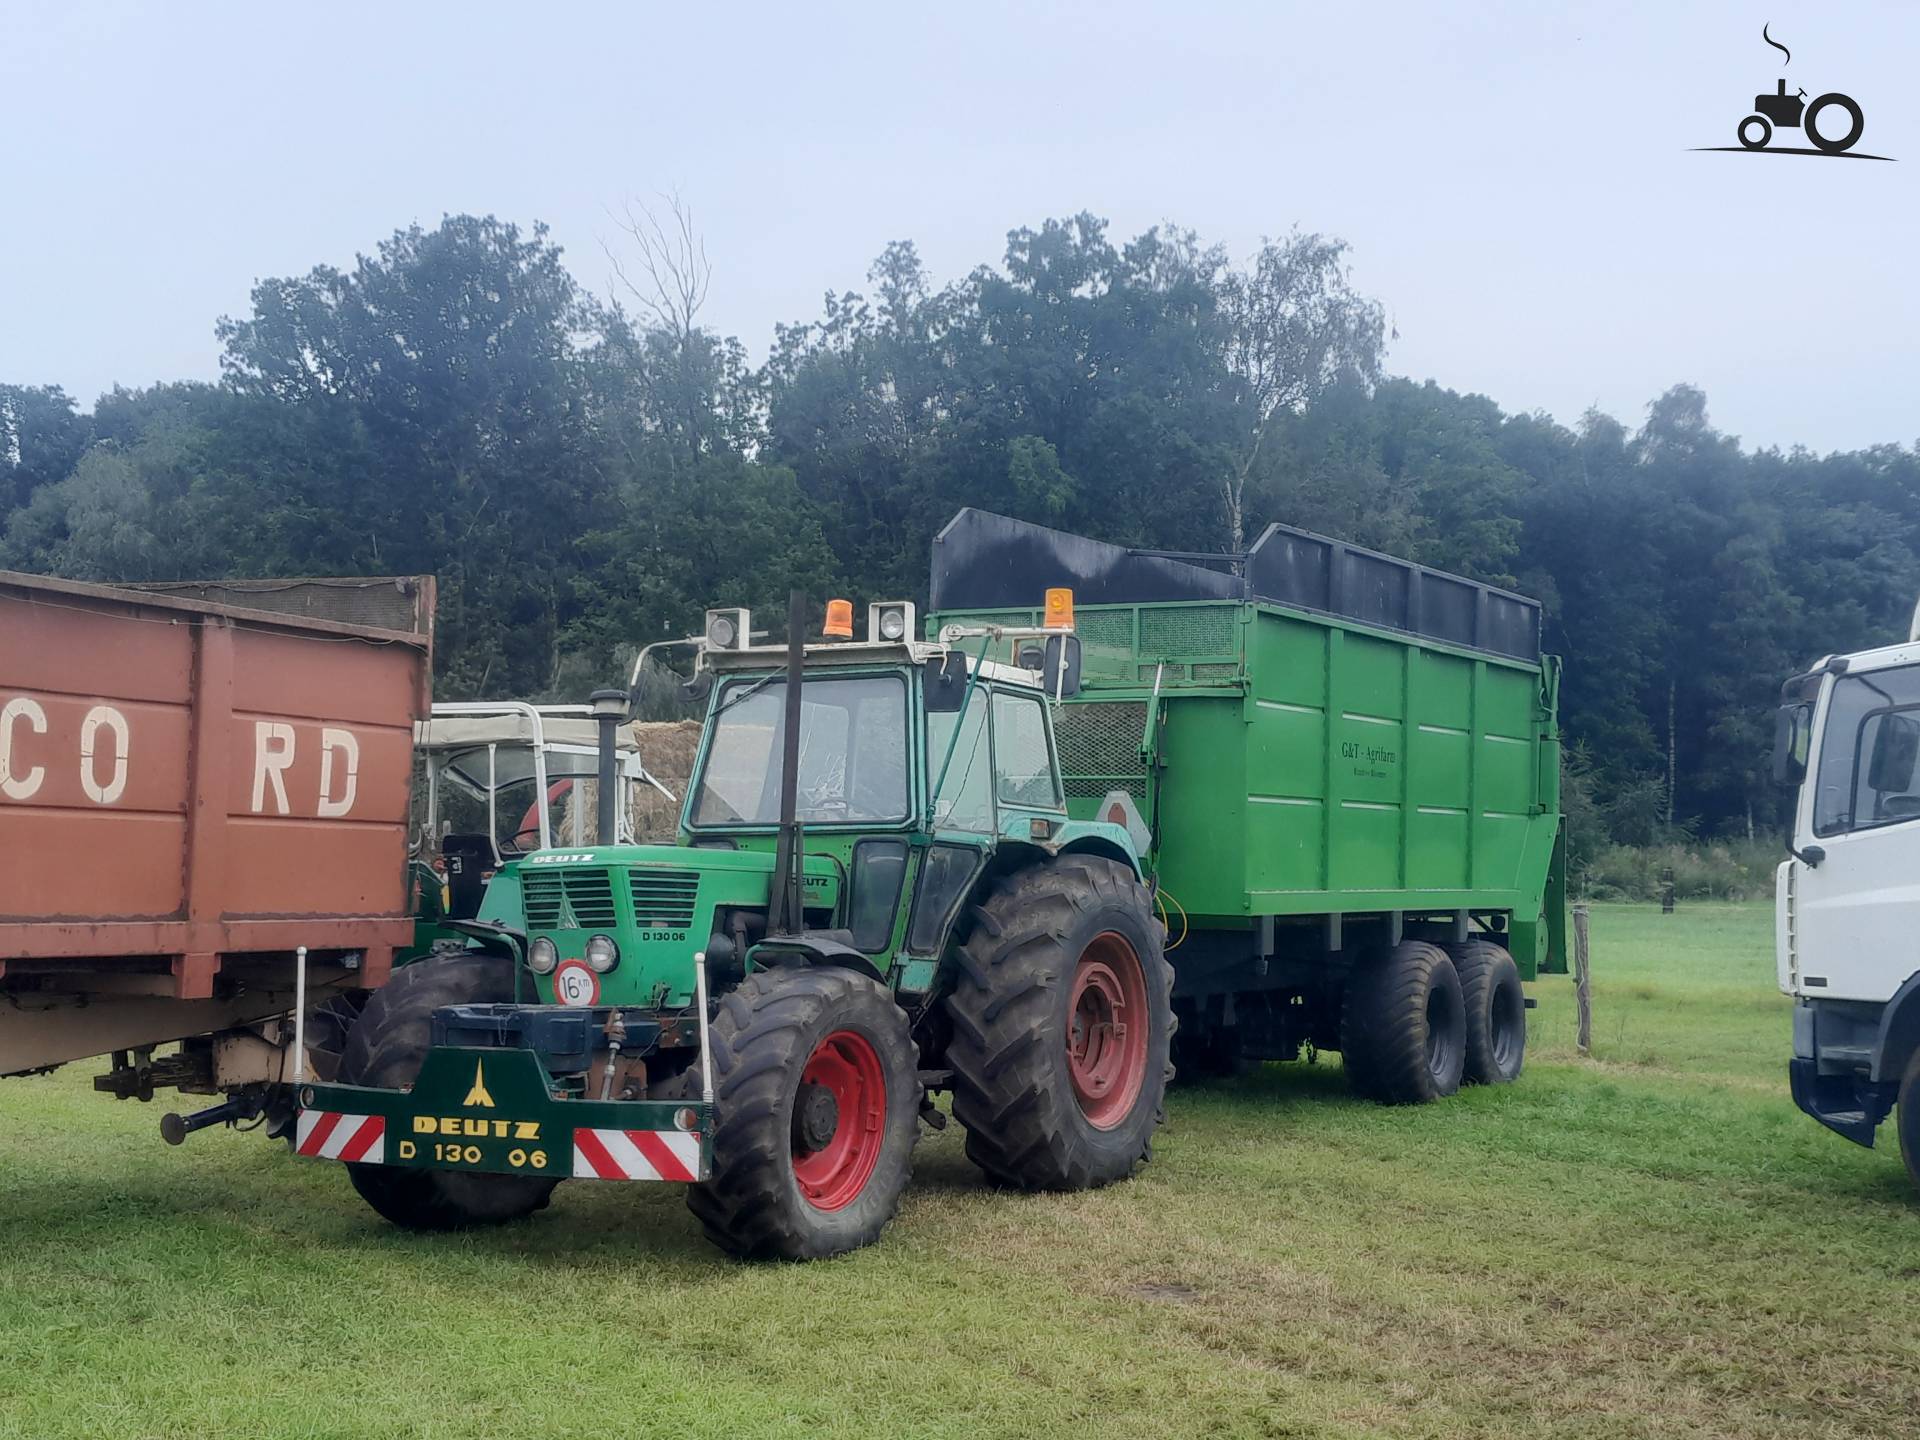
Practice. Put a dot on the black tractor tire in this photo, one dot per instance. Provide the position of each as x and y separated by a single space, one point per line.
1043 943
769 1034
1403 1026
1907 1118
386 1049
1496 1009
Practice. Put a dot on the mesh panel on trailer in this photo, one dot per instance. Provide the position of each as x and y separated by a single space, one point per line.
1100 747
1187 630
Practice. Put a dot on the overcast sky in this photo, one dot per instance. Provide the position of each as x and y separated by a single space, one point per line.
1515 180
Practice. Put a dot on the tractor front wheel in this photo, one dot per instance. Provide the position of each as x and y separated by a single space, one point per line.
386 1048
1061 1025
817 1103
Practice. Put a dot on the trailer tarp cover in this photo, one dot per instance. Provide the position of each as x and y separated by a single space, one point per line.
983 561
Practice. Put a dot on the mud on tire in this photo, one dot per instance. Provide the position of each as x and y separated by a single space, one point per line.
386 1048
1046 1105
1403 1026
1496 1012
781 1037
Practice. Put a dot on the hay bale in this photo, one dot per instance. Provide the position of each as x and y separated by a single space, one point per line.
668 749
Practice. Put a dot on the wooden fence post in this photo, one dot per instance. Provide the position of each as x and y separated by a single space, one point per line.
1582 982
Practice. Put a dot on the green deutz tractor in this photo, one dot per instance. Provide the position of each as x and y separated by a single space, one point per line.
878 894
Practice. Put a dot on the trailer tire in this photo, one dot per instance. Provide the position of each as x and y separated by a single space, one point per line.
1061 952
1907 1118
770 1195
1496 1009
1403 1026
386 1049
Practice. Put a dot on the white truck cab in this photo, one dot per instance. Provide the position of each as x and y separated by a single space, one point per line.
1847 898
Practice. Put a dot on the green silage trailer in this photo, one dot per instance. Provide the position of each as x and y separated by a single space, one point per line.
1344 769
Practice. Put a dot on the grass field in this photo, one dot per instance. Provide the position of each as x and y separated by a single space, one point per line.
1653 1242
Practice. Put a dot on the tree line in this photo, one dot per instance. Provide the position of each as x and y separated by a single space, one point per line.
586 473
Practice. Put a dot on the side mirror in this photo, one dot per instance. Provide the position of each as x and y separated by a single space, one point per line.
1061 666
1790 727
1895 750
944 683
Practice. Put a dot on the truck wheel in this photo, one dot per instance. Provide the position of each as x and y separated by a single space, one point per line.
1907 1118
817 1105
1403 1026
1061 1025
386 1049
1496 1009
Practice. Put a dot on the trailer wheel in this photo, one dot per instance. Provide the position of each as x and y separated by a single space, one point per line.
1403 1026
1907 1118
1062 1019
1496 1010
817 1090
386 1049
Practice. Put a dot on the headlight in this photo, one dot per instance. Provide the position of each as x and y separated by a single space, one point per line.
722 632
602 954
542 957
893 625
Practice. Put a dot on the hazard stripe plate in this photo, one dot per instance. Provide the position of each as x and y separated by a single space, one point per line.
635 1155
331 1135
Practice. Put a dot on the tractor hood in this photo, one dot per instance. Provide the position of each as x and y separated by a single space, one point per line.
659 904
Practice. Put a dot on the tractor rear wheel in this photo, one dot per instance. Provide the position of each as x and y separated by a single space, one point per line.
1496 1009
1061 1026
1403 1026
386 1049
817 1089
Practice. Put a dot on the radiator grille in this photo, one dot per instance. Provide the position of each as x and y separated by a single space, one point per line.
567 899
664 898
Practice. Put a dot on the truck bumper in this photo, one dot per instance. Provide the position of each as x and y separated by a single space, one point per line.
496 1111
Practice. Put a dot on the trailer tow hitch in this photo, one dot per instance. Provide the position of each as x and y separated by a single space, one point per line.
174 1129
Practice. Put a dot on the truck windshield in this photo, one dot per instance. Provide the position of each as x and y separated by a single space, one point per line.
853 752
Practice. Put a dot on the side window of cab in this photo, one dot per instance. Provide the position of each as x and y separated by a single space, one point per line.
1023 753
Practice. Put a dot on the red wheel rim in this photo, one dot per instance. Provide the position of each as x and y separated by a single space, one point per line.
1107 1026
833 1159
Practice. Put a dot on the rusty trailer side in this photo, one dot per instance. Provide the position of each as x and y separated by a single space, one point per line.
189 790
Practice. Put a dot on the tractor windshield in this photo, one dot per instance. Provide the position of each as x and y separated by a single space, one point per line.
853 752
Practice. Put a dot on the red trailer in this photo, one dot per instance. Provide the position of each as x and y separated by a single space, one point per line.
194 782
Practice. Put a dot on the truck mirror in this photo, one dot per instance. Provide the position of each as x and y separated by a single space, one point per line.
1895 749
1790 744
1061 667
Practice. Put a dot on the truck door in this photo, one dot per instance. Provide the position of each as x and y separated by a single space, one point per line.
1856 913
